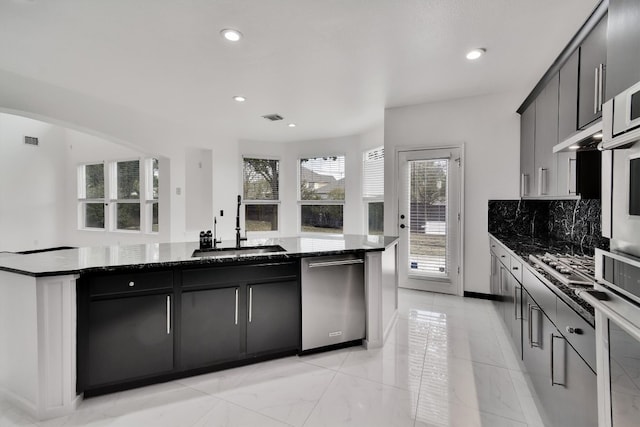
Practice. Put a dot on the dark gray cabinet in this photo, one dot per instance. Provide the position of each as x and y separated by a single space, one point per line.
562 380
623 39
568 97
527 141
546 136
130 338
273 320
593 60
211 327
139 328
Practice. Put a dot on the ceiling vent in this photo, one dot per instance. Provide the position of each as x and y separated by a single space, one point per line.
273 117
31 140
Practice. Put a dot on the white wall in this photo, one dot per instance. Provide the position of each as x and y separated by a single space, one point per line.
32 189
489 127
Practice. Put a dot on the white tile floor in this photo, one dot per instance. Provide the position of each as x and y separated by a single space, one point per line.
447 362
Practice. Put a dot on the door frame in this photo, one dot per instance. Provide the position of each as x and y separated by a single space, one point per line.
396 215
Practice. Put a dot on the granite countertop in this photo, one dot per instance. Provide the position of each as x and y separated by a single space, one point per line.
151 255
523 246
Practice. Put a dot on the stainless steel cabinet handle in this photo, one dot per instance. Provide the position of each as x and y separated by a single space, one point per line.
542 181
334 263
530 325
600 87
524 184
596 90
516 304
250 303
168 314
531 341
553 379
236 315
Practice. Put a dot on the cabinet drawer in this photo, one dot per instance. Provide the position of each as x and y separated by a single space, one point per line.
516 268
238 274
580 334
493 246
541 294
130 282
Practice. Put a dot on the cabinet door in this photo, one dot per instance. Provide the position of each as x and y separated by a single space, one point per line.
574 386
273 317
129 338
568 98
567 173
593 59
527 147
623 39
515 315
546 137
505 298
536 357
210 328
495 275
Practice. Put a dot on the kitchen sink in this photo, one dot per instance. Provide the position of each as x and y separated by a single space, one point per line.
246 250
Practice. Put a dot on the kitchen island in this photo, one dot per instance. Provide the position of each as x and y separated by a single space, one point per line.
43 317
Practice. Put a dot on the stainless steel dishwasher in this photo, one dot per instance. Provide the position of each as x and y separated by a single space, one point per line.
333 305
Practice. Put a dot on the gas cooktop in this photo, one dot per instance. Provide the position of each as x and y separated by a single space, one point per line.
568 269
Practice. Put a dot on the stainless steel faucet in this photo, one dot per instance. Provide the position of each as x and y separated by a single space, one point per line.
238 238
215 233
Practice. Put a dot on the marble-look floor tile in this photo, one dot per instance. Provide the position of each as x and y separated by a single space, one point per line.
527 400
448 381
219 381
480 347
284 390
357 402
464 417
11 416
227 414
330 359
395 365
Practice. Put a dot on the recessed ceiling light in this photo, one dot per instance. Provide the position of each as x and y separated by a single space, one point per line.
239 98
292 125
231 35
597 135
476 53
574 147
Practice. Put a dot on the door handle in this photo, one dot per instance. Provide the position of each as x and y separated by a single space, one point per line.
515 304
552 368
335 263
168 314
250 303
596 90
533 343
600 87
524 184
236 314
542 181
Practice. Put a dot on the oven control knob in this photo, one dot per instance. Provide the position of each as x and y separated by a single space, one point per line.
571 330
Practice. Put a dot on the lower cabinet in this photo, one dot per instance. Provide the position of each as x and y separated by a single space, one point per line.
565 385
210 328
273 322
511 308
139 328
130 338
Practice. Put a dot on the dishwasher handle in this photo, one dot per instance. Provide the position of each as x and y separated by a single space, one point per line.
334 263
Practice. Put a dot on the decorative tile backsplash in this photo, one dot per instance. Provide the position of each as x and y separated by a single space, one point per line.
575 221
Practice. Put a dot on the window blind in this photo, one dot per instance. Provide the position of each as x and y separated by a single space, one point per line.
373 173
128 180
428 198
261 179
322 178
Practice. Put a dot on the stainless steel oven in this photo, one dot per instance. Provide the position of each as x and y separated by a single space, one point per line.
621 118
621 199
616 299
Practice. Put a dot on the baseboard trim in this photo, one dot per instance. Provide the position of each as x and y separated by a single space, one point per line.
481 295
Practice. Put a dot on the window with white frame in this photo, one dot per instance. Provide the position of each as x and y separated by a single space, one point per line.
91 201
373 190
261 190
110 196
322 194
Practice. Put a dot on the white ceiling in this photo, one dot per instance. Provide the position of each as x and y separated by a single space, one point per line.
330 66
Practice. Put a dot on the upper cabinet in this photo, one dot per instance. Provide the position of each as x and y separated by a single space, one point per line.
593 60
527 141
568 97
546 136
623 41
